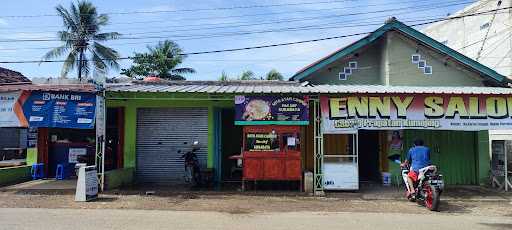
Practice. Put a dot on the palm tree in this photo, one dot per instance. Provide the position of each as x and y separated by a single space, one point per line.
247 75
160 61
224 76
81 41
274 75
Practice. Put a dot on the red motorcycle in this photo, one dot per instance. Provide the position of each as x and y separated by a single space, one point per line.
428 187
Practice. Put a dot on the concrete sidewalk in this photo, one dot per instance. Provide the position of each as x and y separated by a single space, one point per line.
366 191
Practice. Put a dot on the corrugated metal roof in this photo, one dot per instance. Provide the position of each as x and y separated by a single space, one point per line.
270 87
44 87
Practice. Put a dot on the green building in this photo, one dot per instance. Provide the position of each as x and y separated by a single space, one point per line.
361 97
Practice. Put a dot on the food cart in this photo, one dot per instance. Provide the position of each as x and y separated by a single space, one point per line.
271 136
271 152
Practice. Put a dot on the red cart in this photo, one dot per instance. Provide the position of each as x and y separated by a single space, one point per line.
271 153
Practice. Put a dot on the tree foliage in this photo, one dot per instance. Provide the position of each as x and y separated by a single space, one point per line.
247 75
161 61
274 75
82 39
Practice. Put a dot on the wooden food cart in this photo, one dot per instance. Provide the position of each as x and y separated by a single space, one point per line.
271 152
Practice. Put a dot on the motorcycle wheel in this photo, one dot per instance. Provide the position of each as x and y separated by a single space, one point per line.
432 198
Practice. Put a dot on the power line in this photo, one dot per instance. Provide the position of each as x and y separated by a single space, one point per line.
166 37
260 14
265 46
187 10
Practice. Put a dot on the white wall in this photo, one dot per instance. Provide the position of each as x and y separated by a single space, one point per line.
466 35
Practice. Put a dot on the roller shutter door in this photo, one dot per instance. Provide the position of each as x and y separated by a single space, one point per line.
161 133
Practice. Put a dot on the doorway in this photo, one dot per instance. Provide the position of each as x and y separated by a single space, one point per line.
369 151
114 139
231 144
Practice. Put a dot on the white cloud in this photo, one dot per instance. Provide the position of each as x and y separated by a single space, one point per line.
3 22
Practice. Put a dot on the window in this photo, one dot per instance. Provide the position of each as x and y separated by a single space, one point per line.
342 76
422 64
427 70
347 71
352 65
415 58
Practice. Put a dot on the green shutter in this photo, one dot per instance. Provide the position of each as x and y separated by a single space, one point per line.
454 152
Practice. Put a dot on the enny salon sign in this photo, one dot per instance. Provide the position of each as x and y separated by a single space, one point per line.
421 111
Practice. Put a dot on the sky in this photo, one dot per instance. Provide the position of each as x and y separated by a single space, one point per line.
205 25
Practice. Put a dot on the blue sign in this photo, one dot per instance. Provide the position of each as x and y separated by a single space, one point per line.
60 109
271 110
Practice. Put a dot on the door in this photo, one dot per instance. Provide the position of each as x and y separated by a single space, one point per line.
340 165
163 135
369 151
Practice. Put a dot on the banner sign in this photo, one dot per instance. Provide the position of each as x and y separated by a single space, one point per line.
348 113
11 114
271 110
60 109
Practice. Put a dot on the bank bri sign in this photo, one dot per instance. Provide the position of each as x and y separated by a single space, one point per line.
420 111
59 109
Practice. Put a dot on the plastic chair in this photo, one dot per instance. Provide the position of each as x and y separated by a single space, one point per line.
37 171
59 174
34 171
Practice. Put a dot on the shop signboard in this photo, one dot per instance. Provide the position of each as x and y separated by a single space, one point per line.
74 153
261 142
347 113
60 109
11 114
271 110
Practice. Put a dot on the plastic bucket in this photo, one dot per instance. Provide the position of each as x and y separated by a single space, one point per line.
386 178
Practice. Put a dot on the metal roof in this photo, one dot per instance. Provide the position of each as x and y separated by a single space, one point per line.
45 87
269 87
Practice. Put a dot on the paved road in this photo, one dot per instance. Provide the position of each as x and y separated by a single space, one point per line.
76 219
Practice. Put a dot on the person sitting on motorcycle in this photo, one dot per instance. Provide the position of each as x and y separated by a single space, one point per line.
418 157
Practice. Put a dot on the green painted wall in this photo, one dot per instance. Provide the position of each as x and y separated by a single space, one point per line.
12 175
388 62
456 153
118 177
132 101
31 156
403 72
484 157
368 72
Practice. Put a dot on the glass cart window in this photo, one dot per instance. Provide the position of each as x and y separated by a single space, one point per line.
259 142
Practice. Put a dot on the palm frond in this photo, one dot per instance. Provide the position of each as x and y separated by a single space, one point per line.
183 70
107 36
68 20
69 64
108 55
102 20
55 52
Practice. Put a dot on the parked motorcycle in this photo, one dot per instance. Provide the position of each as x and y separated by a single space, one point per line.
428 187
191 164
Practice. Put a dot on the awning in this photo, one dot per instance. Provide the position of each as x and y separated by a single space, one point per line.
276 87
